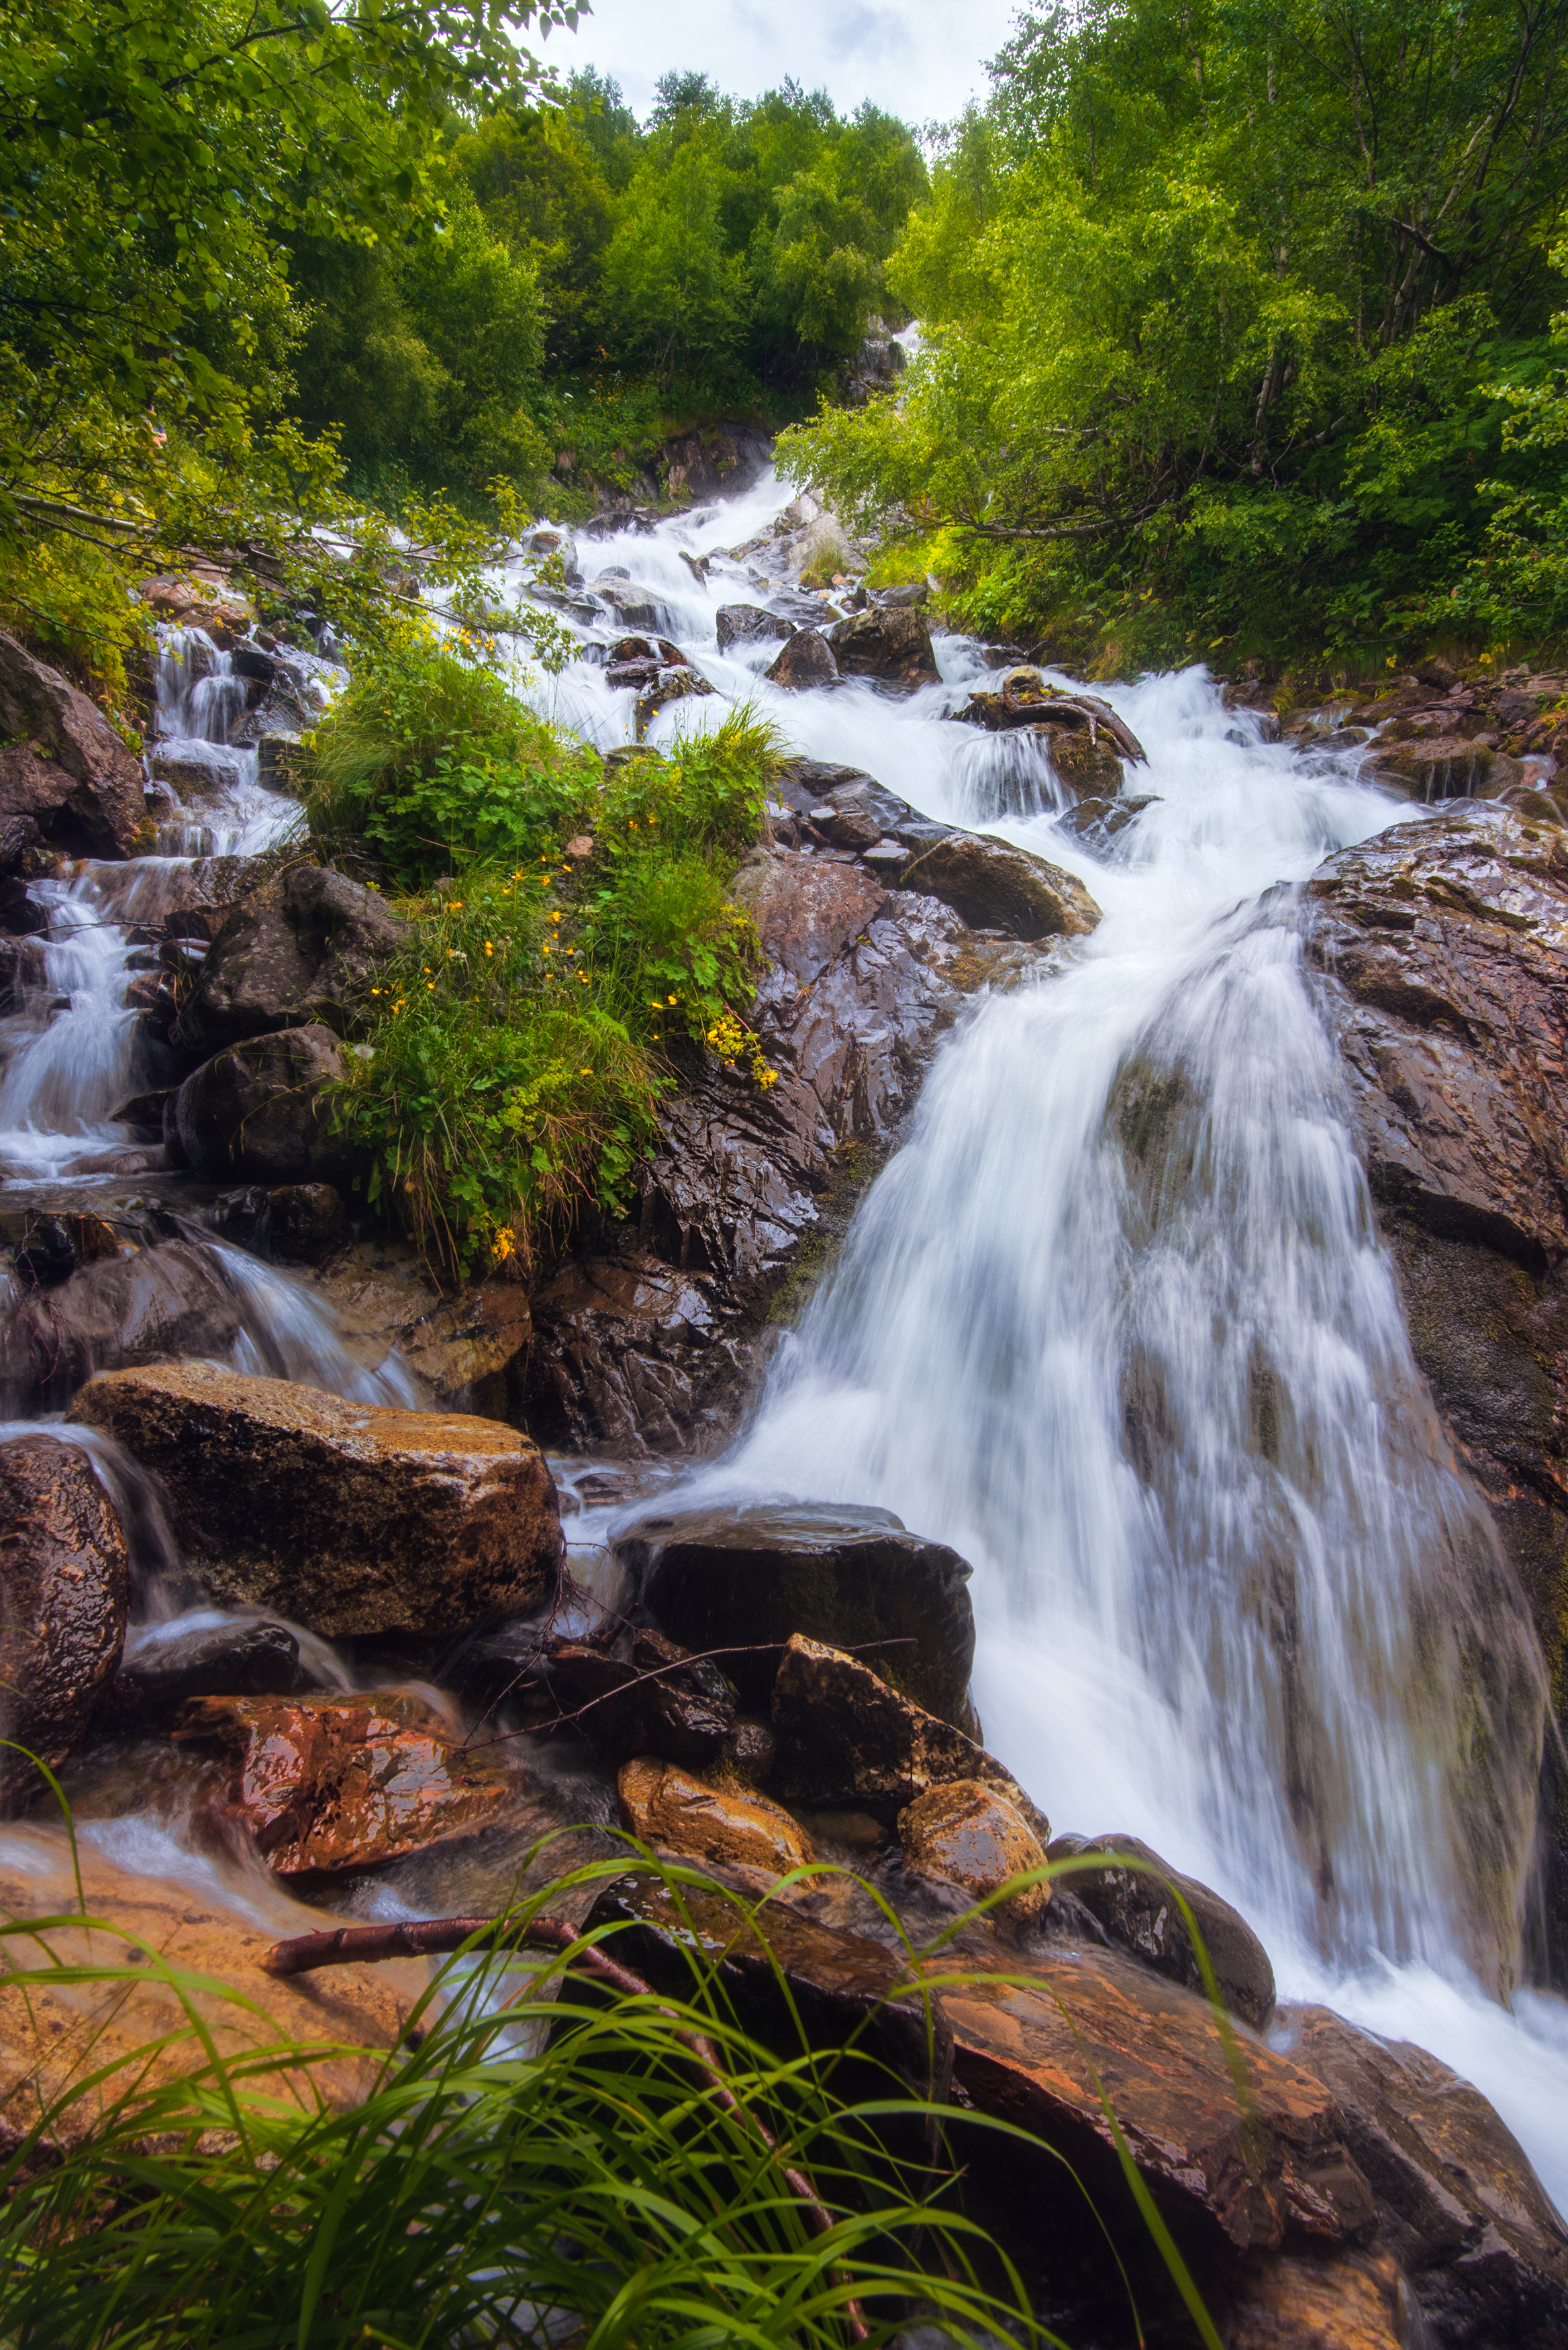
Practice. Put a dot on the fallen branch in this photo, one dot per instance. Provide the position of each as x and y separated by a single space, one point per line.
432 1937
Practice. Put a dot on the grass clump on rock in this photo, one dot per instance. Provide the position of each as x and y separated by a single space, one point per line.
571 928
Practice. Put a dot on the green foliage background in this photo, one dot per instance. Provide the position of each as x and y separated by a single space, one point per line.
1239 331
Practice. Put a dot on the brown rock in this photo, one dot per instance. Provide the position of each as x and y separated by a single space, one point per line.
349 1518
805 663
892 645
296 951
994 885
1243 2148
64 1587
969 1833
746 1580
674 1812
845 1737
1134 1905
1338 2300
806 917
749 624
331 1782
1462 2213
679 684
306 1221
62 763
259 1112
54 2036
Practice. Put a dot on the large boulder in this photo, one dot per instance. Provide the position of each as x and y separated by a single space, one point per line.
634 606
749 624
645 1697
1462 2210
347 1518
135 2028
114 1314
1131 1890
258 1112
323 1784
805 663
893 646
971 1835
65 1587
1444 767
1443 947
62 763
294 951
994 885
748 1580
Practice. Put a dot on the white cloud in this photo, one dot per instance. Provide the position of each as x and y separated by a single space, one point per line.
921 60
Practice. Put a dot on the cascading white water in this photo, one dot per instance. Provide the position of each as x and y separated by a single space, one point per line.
1116 1322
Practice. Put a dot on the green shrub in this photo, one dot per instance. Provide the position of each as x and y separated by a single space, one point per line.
520 1042
75 606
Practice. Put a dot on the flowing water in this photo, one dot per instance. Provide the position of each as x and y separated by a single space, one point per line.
1115 1322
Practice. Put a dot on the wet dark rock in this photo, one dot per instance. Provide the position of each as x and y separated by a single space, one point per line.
347 1518
325 1783
308 1221
65 1588
887 644
296 952
715 460
652 1347
1460 2209
124 1311
62 763
847 1738
1134 1905
805 663
748 1579
258 1111
652 1698
994 886
749 624
1025 700
143 1113
670 685
1444 767
1445 984
1096 822
241 1658
20 916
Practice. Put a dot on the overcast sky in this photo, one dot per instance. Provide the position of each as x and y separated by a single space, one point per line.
921 59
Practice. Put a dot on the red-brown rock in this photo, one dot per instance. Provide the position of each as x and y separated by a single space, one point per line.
331 1782
64 1587
62 763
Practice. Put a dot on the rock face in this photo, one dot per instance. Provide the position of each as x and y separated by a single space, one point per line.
805 663
1444 950
1134 1905
289 954
1462 2210
748 1580
994 886
349 1518
63 764
650 1700
325 1783
845 1737
258 1112
64 1587
243 1659
669 1808
891 645
971 1835
652 1344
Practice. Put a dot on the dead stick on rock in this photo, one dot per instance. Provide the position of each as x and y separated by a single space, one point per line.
433 1937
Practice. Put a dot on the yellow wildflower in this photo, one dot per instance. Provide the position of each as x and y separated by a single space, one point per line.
488 948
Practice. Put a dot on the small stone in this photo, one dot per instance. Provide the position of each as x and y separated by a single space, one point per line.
969 1833
672 1810
805 663
580 846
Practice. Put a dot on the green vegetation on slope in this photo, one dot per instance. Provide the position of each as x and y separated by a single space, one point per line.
570 928
1239 332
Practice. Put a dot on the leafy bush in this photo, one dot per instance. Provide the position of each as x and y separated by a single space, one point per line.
73 604
520 1042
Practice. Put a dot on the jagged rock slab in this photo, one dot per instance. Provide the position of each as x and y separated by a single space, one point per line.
65 1588
62 763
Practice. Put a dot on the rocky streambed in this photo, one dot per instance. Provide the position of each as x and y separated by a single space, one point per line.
331 1595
